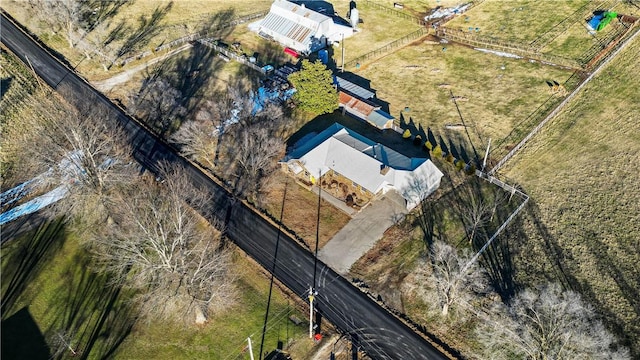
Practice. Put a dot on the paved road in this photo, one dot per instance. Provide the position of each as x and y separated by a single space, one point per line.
380 335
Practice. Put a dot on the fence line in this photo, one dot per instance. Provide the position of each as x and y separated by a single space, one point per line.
386 48
231 55
584 11
192 37
559 107
394 12
468 38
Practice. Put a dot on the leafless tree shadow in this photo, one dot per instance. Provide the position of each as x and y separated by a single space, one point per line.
148 27
25 257
100 11
94 314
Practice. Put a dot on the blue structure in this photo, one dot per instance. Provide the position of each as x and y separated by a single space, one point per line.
34 205
323 55
264 96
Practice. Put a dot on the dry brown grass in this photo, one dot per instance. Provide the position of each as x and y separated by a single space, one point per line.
580 173
497 99
300 212
519 21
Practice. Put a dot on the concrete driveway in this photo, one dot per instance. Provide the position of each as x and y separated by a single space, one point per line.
362 232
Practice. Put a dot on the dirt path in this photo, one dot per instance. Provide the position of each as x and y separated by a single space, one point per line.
107 85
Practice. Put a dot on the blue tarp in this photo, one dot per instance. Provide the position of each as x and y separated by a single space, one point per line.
595 21
263 96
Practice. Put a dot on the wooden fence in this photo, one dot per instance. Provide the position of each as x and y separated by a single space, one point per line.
492 43
579 15
231 55
394 12
560 106
192 37
385 48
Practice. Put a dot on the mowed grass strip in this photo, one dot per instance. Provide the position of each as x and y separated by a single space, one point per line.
581 173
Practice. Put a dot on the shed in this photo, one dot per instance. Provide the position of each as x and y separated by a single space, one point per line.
381 119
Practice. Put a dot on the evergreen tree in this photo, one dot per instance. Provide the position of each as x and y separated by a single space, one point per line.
315 92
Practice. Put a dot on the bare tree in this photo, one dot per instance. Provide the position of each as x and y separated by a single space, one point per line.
478 209
82 149
63 16
453 282
161 247
159 104
547 324
235 140
61 342
200 138
256 152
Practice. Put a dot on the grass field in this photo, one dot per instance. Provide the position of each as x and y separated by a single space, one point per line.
497 92
580 175
580 228
48 273
520 21
554 27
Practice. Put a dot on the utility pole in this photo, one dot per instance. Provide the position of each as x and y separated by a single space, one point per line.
36 74
311 312
250 348
312 293
342 43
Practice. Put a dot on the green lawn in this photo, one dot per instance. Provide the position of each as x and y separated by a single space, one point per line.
50 275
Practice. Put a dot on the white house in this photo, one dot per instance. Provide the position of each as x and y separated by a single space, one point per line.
297 27
368 165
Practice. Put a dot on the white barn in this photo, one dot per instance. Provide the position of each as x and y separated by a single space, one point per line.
370 165
299 28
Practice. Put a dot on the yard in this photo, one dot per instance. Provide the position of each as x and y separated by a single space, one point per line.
494 93
51 293
581 225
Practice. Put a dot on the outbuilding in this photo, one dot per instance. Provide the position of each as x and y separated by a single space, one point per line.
299 28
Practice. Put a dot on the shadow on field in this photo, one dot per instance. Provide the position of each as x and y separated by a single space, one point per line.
90 310
454 143
565 270
190 75
478 208
5 83
25 338
626 278
555 254
24 257
138 37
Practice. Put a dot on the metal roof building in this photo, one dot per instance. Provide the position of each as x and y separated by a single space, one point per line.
373 166
299 28
357 90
